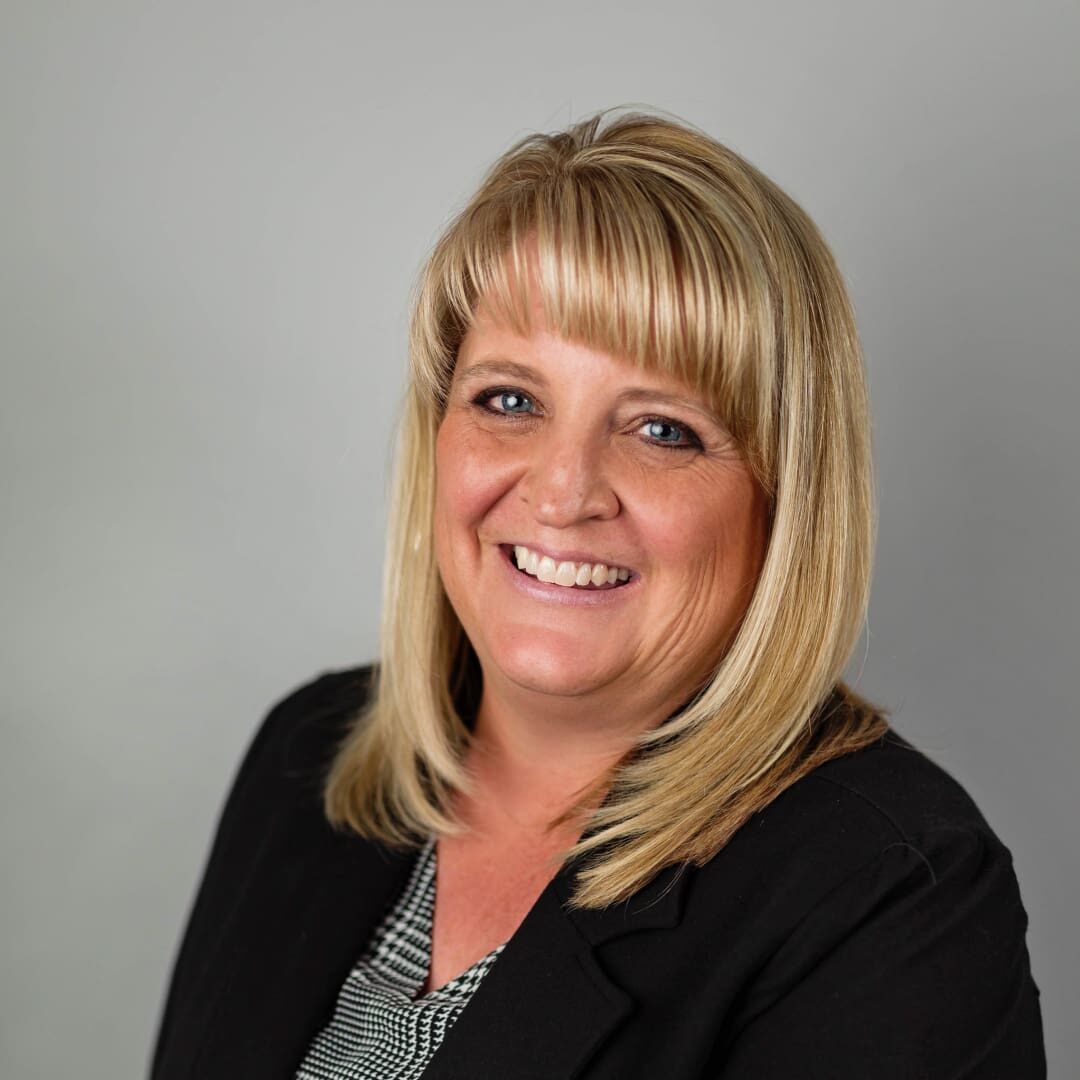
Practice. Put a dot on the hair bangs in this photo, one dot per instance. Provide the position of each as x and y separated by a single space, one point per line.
622 265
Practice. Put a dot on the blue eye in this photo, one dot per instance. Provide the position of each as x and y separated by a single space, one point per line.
659 429
511 401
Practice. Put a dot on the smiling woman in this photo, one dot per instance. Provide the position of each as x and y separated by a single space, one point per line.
604 807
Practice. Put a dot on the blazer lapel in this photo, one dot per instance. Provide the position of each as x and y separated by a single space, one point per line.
547 1005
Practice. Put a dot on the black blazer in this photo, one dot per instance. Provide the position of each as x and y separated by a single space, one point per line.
867 924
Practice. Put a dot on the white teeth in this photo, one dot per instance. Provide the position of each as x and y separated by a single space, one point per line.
568 574
547 570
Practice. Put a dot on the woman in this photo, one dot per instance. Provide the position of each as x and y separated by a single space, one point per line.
604 807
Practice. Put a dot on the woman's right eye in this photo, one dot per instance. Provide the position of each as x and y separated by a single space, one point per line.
511 402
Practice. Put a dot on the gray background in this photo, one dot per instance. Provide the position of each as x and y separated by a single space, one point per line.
212 216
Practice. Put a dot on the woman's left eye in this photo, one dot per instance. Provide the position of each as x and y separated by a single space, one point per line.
659 430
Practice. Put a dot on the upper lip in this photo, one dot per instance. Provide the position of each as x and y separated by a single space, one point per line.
568 556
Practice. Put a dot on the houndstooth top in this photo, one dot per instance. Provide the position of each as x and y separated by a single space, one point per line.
380 1029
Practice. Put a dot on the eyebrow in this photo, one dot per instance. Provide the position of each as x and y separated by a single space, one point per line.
504 367
512 369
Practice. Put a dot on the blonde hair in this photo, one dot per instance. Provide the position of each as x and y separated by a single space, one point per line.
651 241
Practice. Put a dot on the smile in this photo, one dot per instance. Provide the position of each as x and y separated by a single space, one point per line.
581 575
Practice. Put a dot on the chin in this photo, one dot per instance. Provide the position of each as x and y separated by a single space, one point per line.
547 665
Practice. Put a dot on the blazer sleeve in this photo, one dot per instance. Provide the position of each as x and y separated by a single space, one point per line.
914 968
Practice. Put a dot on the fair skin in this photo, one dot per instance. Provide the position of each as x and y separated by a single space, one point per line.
543 445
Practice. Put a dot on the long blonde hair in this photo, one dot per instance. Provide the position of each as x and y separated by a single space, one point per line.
653 242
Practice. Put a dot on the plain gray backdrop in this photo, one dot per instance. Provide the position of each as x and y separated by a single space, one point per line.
212 218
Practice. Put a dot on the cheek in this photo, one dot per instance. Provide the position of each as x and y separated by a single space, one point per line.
468 476
715 528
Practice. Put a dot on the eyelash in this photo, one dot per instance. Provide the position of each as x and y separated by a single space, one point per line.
481 401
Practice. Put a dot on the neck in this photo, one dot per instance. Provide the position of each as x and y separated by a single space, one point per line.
533 754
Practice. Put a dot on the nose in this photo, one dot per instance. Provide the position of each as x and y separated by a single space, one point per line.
566 481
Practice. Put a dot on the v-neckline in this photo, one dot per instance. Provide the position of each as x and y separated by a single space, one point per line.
427 879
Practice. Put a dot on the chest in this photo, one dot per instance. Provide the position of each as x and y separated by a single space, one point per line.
483 891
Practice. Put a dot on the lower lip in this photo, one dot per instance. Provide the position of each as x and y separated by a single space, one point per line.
562 594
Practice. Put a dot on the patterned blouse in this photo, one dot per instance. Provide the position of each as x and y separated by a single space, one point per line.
381 1029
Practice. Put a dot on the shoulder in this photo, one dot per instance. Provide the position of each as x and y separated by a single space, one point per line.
323 699
874 852
896 785
878 913
881 833
301 731
888 797
284 766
